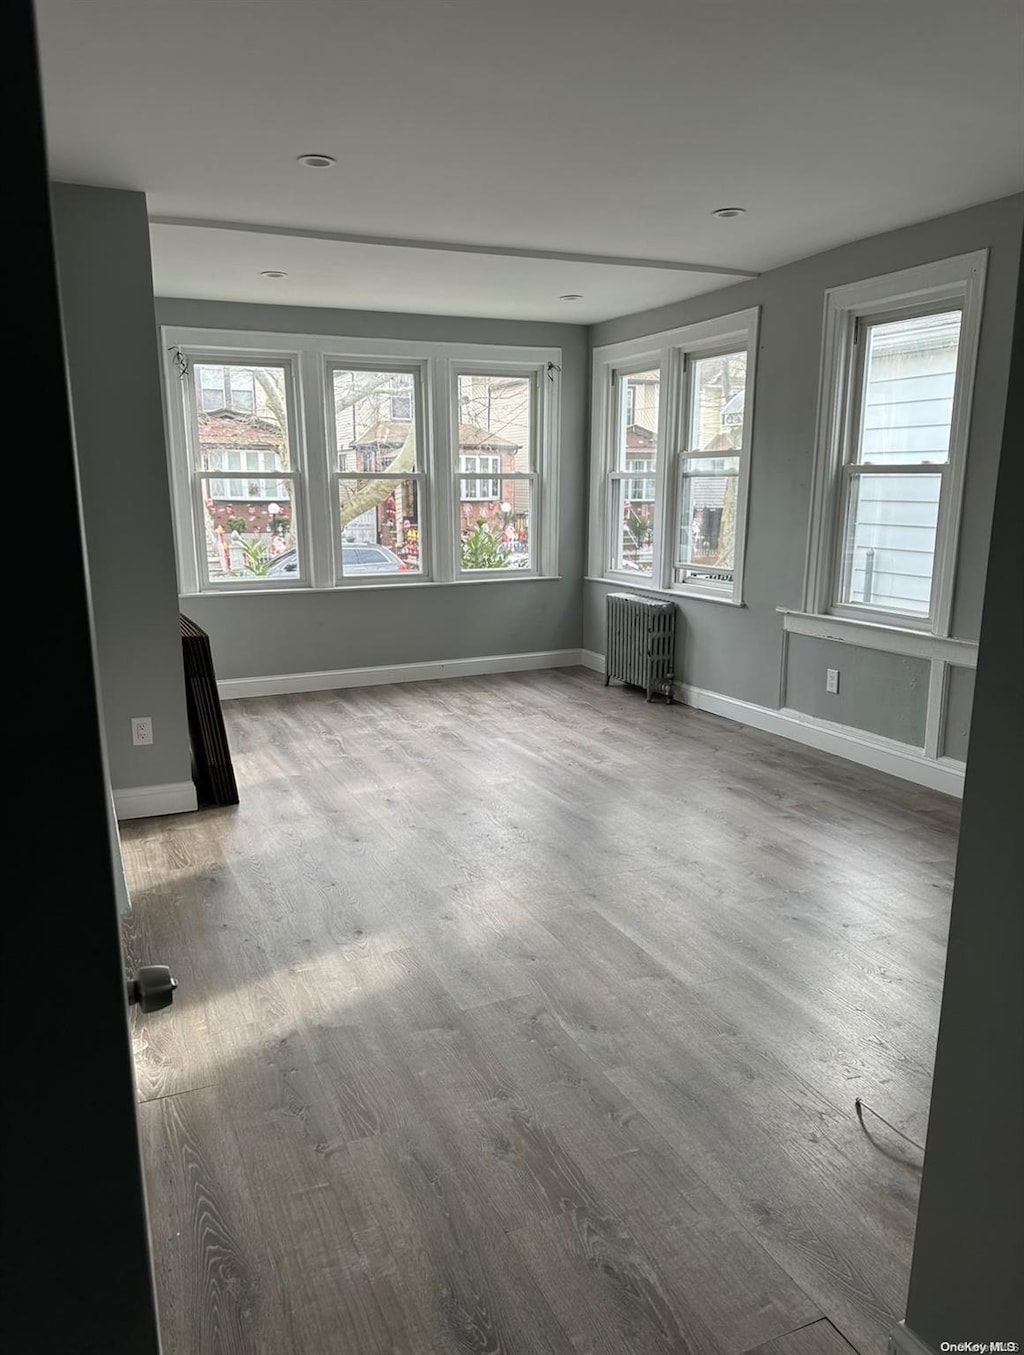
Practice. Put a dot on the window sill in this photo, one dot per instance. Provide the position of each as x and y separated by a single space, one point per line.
678 594
892 639
366 587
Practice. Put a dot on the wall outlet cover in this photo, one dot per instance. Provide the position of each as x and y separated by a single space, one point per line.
832 680
142 730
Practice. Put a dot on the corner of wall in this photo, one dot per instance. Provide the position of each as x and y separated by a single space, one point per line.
107 309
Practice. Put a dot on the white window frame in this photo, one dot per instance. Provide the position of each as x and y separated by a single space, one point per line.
187 496
545 382
959 282
672 352
419 476
313 451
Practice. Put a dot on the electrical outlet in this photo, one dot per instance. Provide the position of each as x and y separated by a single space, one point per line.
832 680
142 730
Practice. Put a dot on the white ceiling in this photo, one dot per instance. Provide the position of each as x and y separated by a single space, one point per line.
573 126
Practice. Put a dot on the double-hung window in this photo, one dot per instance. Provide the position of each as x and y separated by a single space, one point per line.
636 402
672 423
710 464
899 355
299 461
496 468
379 476
245 492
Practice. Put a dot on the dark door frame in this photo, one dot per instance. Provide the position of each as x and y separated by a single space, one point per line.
78 1272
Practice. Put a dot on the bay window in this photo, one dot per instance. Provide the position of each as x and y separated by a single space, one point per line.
672 423
299 461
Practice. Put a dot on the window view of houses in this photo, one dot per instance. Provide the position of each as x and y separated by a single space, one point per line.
247 479
710 469
638 457
709 474
242 453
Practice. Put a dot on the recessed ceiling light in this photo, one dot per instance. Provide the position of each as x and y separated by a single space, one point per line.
273 273
571 296
727 213
316 161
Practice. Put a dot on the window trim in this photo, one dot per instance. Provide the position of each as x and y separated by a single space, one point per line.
671 351
312 448
187 500
959 280
421 475
544 377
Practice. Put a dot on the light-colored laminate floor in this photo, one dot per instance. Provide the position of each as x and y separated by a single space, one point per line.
519 1015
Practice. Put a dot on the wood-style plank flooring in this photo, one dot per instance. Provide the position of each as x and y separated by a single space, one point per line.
519 1016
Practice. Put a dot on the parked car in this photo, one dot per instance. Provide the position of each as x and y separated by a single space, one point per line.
355 559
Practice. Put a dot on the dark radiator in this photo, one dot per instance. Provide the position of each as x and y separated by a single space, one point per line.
211 757
640 649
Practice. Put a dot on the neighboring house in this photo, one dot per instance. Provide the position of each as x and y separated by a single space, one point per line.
247 449
246 502
908 406
641 460
483 458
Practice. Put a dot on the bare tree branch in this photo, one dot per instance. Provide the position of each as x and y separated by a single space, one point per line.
369 496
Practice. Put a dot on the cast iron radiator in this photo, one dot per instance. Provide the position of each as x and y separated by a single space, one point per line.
640 647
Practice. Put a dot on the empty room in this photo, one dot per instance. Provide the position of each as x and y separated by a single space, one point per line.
531 511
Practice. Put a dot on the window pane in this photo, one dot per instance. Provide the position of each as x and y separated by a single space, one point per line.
710 465
642 490
496 419
718 392
233 388
380 526
487 488
225 430
375 420
890 542
633 546
495 532
637 427
910 373
249 536
707 527
242 390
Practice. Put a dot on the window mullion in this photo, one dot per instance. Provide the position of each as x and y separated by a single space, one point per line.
441 416
314 452
188 501
661 561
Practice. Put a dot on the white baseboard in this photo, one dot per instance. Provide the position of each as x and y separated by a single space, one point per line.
902 1341
281 684
146 802
856 745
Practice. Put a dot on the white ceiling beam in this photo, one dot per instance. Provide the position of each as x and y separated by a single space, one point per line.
454 247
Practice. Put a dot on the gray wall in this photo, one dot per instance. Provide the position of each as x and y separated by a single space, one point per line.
260 634
959 702
106 289
737 651
968 1255
864 675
